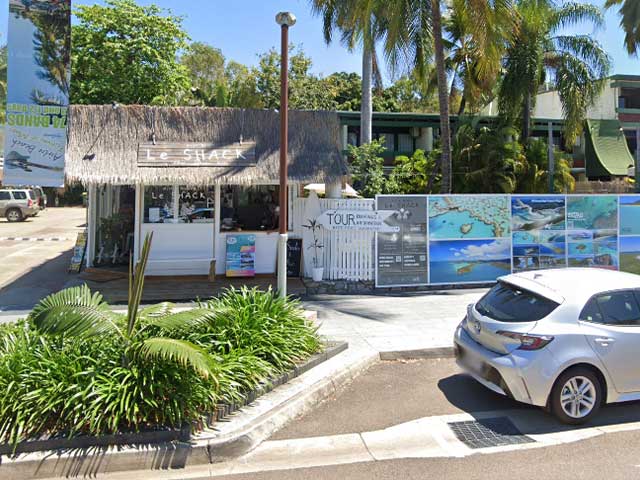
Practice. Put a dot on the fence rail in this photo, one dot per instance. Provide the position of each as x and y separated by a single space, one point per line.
348 254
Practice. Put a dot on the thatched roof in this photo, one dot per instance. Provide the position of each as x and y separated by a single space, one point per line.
103 144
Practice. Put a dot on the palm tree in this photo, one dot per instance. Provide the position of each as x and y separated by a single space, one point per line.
79 313
414 29
630 22
575 65
486 160
357 22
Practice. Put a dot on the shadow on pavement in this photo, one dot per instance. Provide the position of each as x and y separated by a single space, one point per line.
469 396
465 393
49 277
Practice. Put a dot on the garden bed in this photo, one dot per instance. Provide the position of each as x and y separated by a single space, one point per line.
331 349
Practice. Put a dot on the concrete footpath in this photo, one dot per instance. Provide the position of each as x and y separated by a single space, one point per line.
394 325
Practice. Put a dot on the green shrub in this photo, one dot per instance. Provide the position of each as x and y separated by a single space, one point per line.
67 384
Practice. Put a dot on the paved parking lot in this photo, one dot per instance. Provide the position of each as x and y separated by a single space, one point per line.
35 255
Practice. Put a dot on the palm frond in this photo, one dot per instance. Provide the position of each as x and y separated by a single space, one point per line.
629 21
573 13
184 320
179 351
157 310
74 311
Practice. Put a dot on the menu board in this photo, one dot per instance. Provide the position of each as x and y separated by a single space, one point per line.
294 256
401 257
241 255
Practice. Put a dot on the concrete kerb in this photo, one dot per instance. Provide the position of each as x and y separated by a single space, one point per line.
308 390
419 354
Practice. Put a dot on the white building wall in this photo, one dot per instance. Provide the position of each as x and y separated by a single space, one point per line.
548 105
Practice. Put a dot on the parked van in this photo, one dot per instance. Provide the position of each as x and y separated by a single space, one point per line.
16 205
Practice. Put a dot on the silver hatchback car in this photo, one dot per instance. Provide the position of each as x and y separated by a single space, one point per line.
566 339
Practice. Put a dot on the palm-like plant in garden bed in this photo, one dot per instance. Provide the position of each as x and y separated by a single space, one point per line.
78 312
75 366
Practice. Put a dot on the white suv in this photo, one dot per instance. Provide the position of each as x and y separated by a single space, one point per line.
18 205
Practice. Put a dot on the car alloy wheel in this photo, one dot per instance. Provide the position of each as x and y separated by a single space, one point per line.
578 397
14 215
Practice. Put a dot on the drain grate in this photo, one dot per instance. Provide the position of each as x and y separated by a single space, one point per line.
488 432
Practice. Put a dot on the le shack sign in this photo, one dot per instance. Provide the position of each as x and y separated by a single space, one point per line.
372 220
173 154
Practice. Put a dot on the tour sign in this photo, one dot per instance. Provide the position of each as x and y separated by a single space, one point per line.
357 220
173 154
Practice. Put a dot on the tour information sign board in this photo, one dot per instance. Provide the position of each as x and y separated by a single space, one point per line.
401 256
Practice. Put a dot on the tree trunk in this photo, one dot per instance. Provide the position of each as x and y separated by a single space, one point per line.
526 118
443 99
366 110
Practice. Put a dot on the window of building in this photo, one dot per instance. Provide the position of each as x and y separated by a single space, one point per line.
388 143
249 208
196 204
405 143
158 204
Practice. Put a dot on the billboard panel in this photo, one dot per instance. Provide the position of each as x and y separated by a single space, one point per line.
592 231
538 224
38 79
401 256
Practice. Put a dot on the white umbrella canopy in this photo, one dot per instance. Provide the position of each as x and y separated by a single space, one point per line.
319 188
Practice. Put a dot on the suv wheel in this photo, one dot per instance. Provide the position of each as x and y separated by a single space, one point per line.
576 396
14 215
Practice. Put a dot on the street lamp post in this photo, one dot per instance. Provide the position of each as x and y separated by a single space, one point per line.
285 20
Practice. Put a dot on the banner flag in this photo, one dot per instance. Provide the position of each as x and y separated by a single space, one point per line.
39 52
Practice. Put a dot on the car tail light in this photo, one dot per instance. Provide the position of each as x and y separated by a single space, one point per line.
528 342
29 203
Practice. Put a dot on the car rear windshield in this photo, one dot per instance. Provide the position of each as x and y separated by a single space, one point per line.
32 195
507 303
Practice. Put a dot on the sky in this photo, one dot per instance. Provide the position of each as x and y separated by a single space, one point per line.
244 28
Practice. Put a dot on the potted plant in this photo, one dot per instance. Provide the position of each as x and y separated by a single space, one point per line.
318 270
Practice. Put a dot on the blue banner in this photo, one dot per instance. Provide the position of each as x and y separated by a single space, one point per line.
38 78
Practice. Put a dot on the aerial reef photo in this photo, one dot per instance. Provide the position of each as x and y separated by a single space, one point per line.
469 238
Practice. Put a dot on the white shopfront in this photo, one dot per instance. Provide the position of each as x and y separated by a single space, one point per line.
192 177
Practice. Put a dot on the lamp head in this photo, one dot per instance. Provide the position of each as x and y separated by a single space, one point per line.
286 18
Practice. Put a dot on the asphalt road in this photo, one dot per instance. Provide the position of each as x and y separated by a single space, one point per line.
390 393
33 269
611 457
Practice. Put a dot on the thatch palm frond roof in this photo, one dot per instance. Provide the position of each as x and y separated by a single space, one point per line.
103 144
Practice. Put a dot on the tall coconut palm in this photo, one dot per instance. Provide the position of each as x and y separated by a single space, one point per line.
357 22
630 22
414 29
575 65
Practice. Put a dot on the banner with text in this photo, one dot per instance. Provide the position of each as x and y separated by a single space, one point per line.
39 46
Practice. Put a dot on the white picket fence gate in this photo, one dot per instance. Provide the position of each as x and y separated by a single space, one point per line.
348 254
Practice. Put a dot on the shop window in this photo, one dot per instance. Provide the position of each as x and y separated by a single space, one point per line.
252 208
196 204
158 204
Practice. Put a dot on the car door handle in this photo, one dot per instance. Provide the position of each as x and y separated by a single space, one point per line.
605 341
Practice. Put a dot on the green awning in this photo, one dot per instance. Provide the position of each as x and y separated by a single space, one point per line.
607 153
